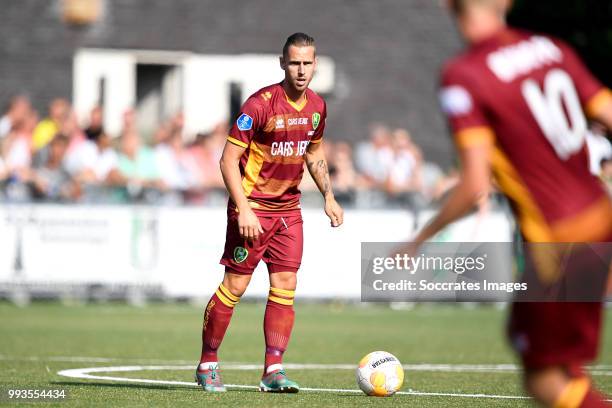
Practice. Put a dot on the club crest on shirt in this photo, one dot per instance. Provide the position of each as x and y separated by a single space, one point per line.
240 254
316 118
244 122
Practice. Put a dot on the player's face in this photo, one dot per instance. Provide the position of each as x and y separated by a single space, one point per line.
299 65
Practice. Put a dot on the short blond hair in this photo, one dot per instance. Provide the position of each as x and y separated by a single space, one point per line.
459 7
298 40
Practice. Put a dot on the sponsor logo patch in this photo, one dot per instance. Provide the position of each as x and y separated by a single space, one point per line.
244 122
297 121
455 100
289 148
280 123
240 254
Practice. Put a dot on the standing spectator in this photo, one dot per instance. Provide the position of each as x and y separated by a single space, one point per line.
96 122
19 107
404 174
129 121
51 181
171 158
137 164
445 185
94 161
431 175
373 156
17 147
16 150
162 133
217 141
70 128
51 125
3 178
3 171
204 158
343 174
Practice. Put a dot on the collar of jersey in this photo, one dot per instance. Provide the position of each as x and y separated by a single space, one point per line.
295 105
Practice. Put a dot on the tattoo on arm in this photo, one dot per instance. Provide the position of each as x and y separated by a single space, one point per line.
320 174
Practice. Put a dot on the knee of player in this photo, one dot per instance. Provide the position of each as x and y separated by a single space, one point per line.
283 280
236 285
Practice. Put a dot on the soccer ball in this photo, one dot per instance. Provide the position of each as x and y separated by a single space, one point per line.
380 374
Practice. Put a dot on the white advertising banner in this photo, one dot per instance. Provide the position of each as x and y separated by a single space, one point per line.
179 248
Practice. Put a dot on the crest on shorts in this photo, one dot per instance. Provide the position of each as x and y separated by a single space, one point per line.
316 118
240 254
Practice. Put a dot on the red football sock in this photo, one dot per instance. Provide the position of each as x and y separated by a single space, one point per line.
217 316
278 323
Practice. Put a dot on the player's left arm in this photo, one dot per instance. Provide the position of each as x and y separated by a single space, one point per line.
595 98
604 114
318 169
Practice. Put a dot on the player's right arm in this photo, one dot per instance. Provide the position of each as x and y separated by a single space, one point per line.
240 136
474 183
474 140
248 223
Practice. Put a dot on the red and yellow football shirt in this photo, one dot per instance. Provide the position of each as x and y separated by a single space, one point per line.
526 95
275 132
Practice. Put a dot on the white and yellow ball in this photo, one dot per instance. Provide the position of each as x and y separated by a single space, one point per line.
380 374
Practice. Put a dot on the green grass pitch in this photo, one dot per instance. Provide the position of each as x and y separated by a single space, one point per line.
38 341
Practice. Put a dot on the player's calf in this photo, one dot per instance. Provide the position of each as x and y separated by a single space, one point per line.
553 387
217 316
546 385
278 324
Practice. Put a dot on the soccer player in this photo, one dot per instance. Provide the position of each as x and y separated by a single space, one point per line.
279 127
516 104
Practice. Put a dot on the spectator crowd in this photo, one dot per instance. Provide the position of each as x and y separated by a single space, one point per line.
59 159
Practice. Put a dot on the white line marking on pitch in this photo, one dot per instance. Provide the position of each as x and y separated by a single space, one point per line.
596 370
85 373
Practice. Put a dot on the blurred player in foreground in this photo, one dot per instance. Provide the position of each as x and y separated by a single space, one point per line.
515 102
279 127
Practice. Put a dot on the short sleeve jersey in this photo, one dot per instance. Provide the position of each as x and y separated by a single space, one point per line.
527 95
276 132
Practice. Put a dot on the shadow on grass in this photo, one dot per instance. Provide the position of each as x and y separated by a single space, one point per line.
180 387
119 385
138 386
